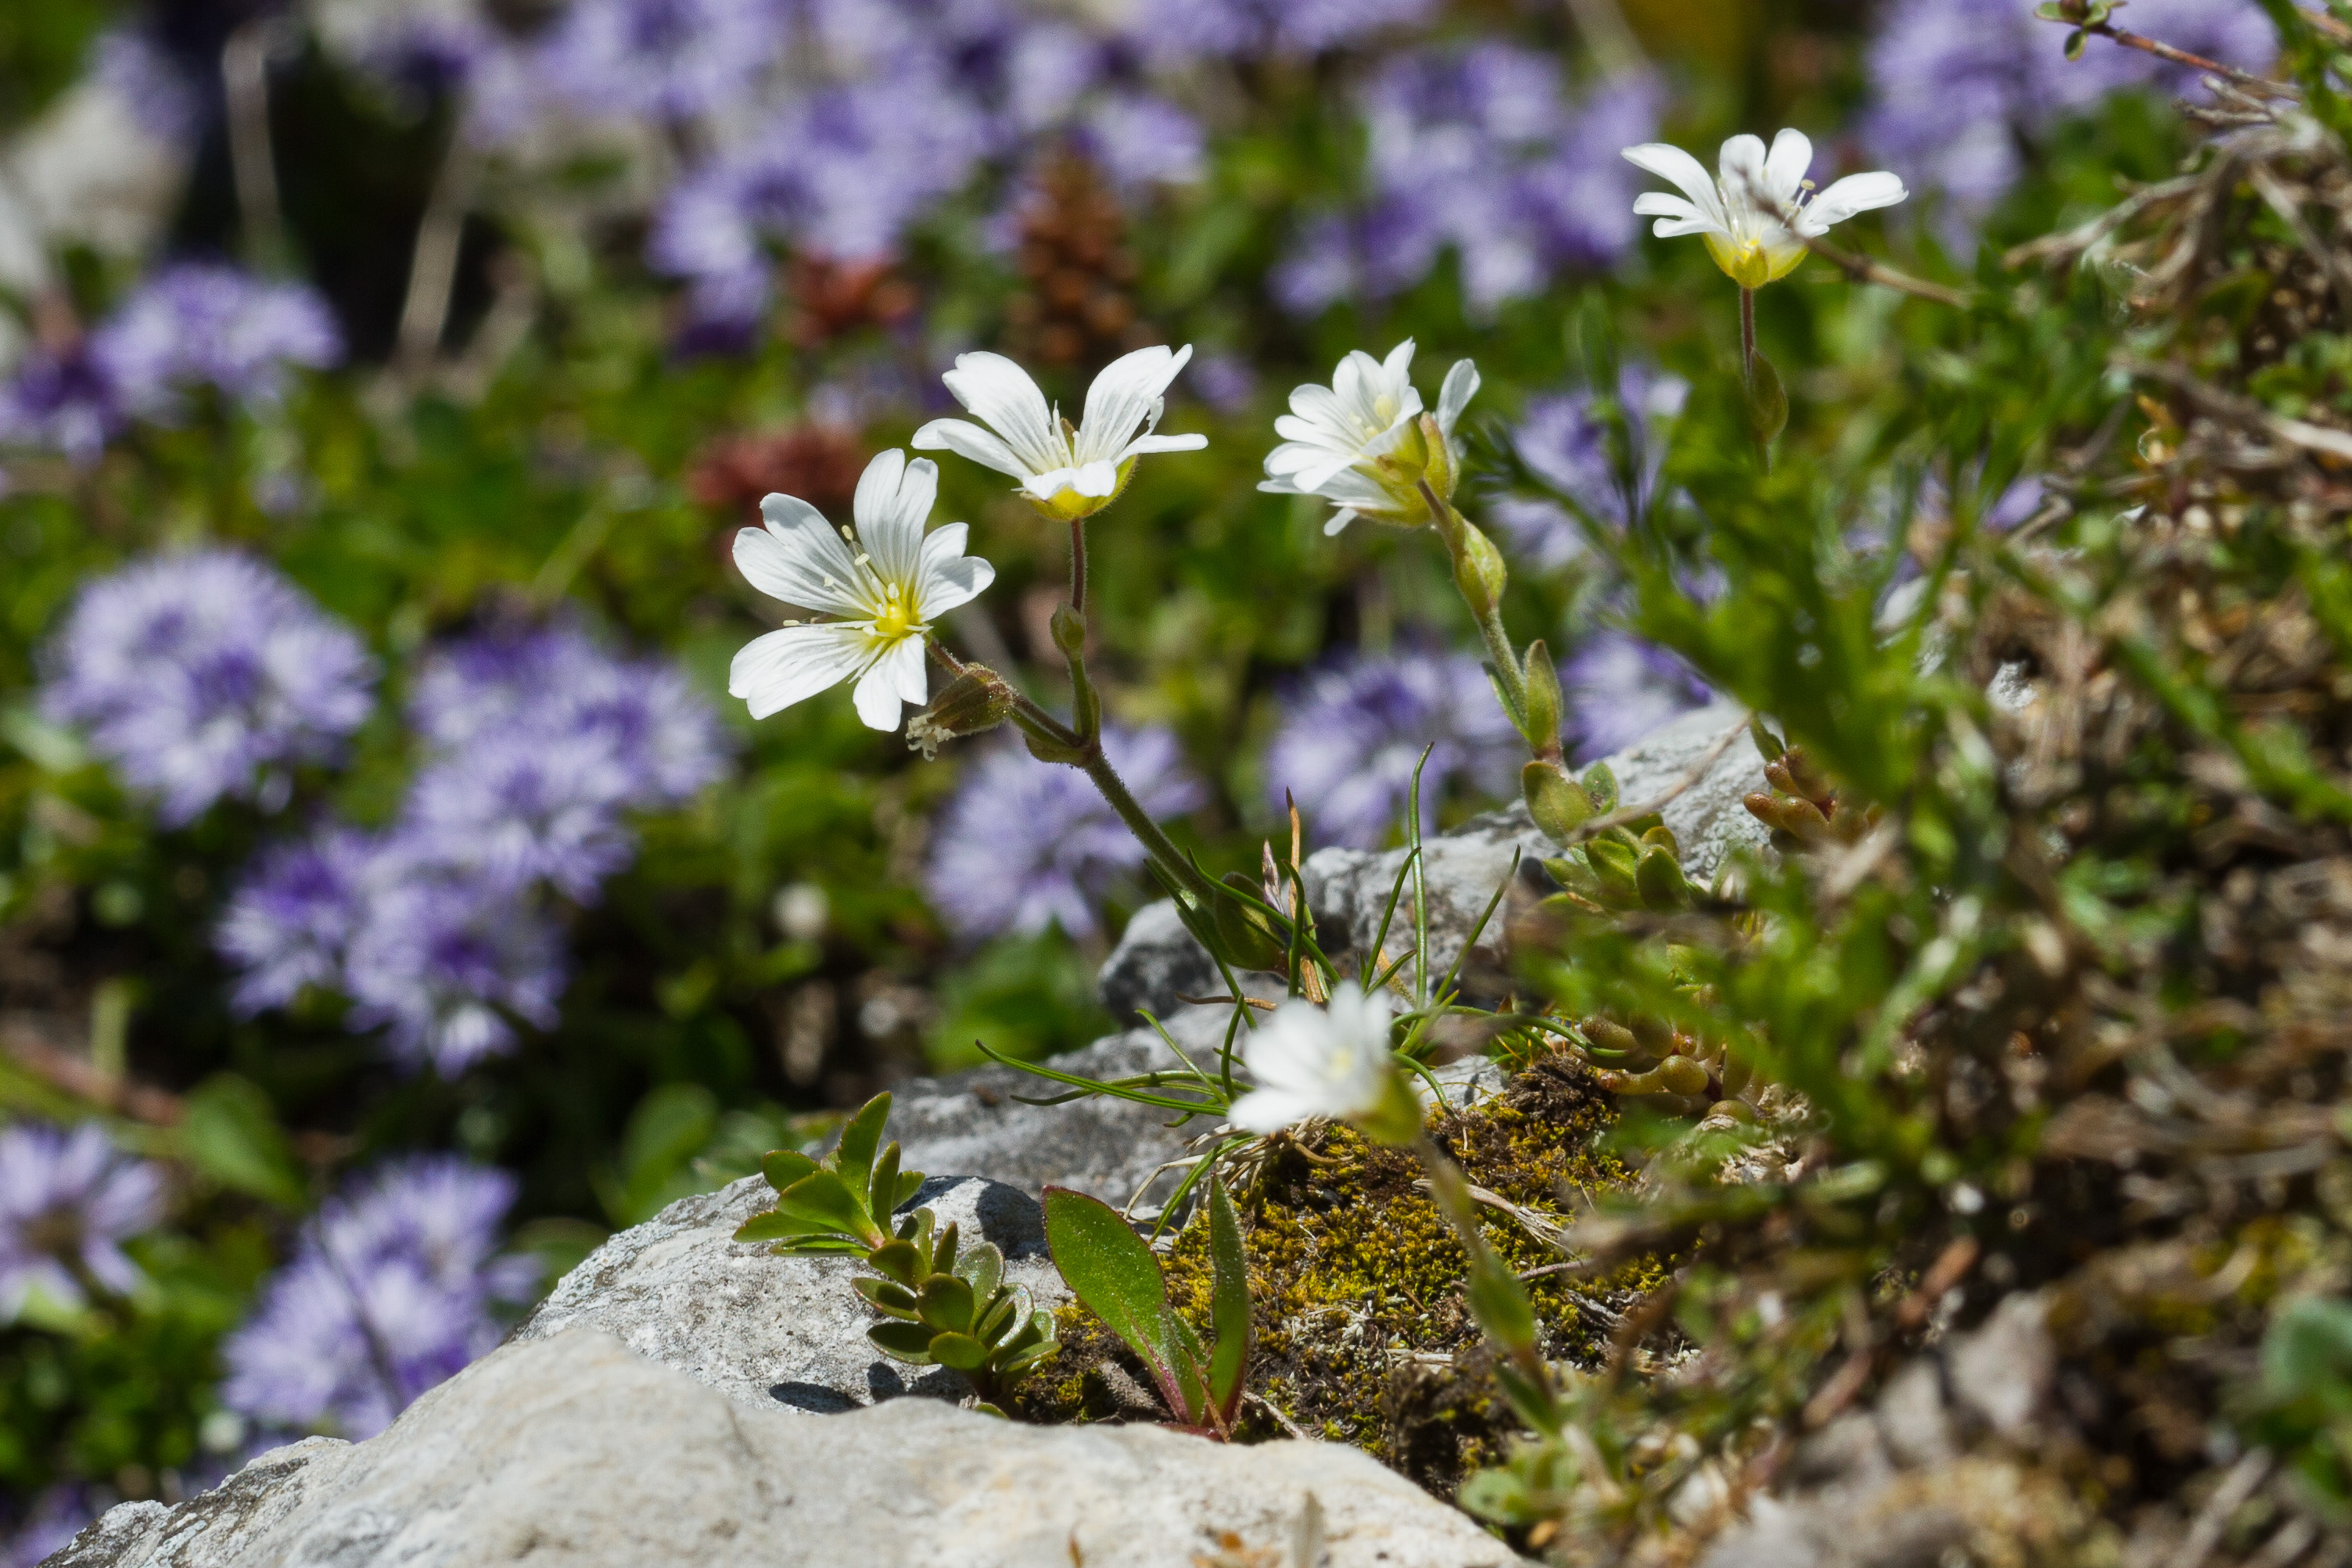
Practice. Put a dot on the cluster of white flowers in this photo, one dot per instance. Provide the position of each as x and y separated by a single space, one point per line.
1365 443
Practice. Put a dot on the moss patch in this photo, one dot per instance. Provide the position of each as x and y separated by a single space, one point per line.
1362 1333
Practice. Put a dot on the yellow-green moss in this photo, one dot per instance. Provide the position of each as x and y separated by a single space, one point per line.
1362 1334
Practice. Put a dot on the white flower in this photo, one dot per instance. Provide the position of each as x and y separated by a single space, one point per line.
1069 473
1359 443
887 584
1741 215
1331 1060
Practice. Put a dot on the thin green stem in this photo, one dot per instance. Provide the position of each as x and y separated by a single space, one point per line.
1747 339
1508 676
1078 565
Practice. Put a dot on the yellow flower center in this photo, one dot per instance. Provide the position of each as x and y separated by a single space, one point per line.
897 618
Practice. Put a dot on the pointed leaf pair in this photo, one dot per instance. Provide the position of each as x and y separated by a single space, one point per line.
1114 1275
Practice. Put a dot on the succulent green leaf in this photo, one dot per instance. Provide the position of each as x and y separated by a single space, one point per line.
959 1351
853 1158
1556 803
1602 785
1114 1275
901 1261
916 1231
1229 1303
784 1167
821 1202
909 1342
910 1184
884 1185
1661 880
991 1317
943 1252
946 1302
981 1268
886 1296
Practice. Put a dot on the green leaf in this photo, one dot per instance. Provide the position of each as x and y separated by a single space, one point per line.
995 1313
901 1262
909 1342
1114 1275
1768 403
981 1268
910 1184
1556 803
822 1201
1660 878
886 1295
852 1157
784 1167
944 1252
883 1185
1229 1303
1602 785
959 1351
231 1134
946 1302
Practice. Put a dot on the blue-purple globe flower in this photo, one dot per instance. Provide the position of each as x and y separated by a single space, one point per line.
1025 845
1619 688
206 675
200 324
1567 441
391 1290
1353 732
68 1202
665 60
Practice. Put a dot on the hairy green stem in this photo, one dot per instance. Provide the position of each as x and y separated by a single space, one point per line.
1508 674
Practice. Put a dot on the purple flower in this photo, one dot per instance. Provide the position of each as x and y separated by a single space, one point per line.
68 401
845 172
1354 731
390 1291
289 925
202 324
442 957
1958 86
1025 845
1243 28
207 674
1140 140
67 1202
1566 441
524 806
136 68
661 59
57 1516
1619 688
1479 152
1226 382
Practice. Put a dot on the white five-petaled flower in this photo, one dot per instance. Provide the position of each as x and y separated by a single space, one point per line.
1070 474
886 583
1742 213
1331 1060
1360 444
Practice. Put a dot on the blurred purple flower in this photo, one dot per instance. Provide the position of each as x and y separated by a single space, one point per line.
130 63
845 172
1354 732
525 805
1025 845
1249 27
668 60
69 400
390 1291
202 324
67 1200
1565 441
289 925
1479 151
1140 140
1958 86
1619 688
1226 382
57 1516
205 675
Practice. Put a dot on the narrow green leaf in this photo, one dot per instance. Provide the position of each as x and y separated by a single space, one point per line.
1229 1303
883 1185
944 1252
770 1226
853 1158
1114 1275
910 1184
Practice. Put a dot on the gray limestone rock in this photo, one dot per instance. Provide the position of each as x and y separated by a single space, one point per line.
1157 960
574 1453
770 1331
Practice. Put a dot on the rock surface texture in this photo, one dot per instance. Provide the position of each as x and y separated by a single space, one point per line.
770 1331
574 1451
1158 960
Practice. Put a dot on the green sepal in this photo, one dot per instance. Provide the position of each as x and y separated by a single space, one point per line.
1544 705
909 1342
784 1167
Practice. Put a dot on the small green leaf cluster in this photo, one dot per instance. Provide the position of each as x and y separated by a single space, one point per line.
1115 1275
946 1304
